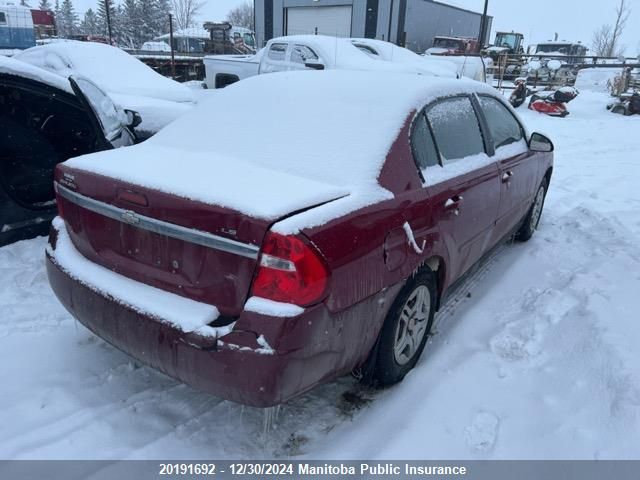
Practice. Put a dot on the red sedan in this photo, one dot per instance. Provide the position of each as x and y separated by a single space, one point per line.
294 228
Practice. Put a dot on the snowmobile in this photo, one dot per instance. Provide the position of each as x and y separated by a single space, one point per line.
553 102
627 104
519 94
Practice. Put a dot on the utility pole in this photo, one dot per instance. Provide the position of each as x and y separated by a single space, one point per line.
483 26
108 10
173 59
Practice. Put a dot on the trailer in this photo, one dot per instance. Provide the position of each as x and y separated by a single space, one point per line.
16 27
44 24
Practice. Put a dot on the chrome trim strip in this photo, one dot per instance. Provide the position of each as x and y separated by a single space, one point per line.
158 226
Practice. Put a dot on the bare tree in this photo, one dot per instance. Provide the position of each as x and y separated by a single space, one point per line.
241 16
606 39
185 12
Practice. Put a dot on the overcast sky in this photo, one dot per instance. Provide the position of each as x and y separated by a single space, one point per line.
538 21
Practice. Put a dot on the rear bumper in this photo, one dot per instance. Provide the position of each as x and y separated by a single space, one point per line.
308 349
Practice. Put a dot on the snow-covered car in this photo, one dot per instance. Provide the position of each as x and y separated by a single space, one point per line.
388 52
312 52
45 120
155 47
471 66
256 270
127 80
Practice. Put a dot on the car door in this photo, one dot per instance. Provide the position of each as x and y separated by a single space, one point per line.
108 119
464 186
517 167
40 126
303 57
275 58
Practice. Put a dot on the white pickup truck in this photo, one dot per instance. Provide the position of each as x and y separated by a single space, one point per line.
318 52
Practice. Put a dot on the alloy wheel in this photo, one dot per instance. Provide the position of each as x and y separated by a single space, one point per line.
412 325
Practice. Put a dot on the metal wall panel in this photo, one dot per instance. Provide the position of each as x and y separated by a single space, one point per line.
422 20
426 19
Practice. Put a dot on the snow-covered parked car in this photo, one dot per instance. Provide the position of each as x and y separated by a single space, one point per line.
388 52
471 66
312 52
44 120
256 270
128 81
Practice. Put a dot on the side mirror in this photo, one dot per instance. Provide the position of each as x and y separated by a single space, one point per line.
540 143
314 65
133 118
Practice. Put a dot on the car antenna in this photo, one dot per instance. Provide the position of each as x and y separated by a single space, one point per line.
464 64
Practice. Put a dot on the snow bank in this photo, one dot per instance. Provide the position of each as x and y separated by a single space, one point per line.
326 137
182 313
11 66
109 67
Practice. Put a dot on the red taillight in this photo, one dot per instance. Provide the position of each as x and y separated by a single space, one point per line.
290 271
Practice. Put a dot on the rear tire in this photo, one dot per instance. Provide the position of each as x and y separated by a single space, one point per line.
531 220
406 329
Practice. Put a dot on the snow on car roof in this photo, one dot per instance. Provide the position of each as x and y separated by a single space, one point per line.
11 66
332 128
108 67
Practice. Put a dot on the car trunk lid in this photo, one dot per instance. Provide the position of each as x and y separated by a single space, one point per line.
202 251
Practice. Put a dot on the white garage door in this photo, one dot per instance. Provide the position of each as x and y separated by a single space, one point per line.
333 21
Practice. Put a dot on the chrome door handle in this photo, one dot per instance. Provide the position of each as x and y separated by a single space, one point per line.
506 176
453 204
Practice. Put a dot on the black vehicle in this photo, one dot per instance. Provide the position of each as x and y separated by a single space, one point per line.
45 120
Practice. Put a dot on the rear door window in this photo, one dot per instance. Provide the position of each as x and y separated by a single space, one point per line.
277 52
302 54
456 129
422 145
503 126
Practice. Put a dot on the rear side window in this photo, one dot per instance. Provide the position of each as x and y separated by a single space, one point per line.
455 128
422 145
277 51
504 128
3 18
302 54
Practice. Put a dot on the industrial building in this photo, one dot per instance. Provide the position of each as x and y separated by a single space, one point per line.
410 23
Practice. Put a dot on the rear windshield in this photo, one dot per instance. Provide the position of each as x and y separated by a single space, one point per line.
446 43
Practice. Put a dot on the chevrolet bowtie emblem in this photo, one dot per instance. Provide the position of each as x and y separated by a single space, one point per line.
130 217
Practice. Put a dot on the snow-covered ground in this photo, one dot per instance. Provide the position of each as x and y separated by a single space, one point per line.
539 360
